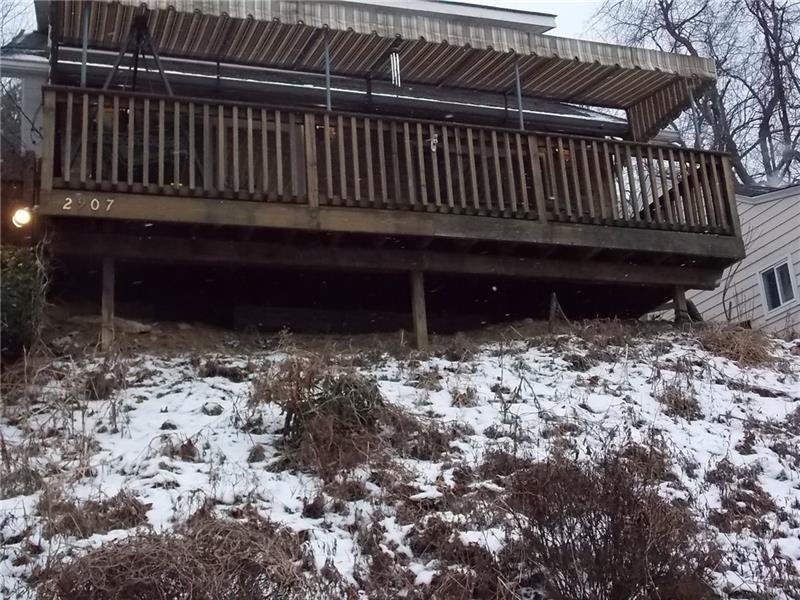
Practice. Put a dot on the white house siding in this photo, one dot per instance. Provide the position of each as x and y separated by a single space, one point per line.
771 232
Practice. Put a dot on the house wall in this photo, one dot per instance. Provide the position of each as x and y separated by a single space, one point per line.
771 232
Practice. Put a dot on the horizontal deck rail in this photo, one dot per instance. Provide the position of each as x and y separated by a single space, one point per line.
137 143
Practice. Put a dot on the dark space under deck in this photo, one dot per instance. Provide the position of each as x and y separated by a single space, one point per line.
312 281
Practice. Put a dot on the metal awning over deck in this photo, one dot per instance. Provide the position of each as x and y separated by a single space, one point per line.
446 48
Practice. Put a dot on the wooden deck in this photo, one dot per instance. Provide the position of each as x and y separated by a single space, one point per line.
657 211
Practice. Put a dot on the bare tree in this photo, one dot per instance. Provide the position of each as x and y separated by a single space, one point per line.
754 111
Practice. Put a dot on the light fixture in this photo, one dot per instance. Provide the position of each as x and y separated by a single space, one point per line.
21 218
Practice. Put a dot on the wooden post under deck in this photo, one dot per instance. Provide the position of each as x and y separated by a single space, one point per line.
681 308
418 310
107 305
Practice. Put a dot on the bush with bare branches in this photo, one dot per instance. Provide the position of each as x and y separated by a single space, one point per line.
209 558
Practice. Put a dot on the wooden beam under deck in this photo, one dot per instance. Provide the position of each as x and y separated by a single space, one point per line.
174 249
172 209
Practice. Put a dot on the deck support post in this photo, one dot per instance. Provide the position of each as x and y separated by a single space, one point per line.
518 85
418 310
107 305
681 308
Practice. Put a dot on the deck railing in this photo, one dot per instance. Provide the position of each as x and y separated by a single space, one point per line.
137 143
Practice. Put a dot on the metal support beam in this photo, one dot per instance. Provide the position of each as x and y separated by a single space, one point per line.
418 310
84 40
518 84
327 71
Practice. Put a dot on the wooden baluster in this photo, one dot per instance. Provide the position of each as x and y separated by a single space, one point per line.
98 167
328 160
208 169
146 144
711 208
680 213
576 183
192 181
382 163
587 179
115 143
612 191
435 169
643 185
512 188
665 188
221 141
702 203
235 149
632 181
523 180
397 194
312 173
66 160
264 154
689 209
409 165
598 178
562 168
84 138
730 193
538 180
161 109
251 167
623 205
131 134
278 155
368 161
487 186
462 184
719 198
448 174
498 178
651 172
473 174
294 167
176 144
356 166
49 139
423 185
342 161
551 177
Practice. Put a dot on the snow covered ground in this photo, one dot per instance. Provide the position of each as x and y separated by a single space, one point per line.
174 439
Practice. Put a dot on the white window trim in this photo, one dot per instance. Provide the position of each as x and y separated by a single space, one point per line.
787 260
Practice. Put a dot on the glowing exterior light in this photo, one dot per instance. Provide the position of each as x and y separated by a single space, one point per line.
21 218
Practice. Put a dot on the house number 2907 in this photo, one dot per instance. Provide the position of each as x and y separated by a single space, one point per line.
95 204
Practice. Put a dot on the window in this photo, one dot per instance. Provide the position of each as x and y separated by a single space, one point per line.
777 284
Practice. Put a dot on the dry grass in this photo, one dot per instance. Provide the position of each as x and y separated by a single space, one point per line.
67 516
679 401
209 558
336 419
748 347
19 473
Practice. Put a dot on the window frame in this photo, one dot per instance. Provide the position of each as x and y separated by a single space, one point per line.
764 298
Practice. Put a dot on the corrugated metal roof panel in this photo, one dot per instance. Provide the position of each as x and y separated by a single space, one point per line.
434 50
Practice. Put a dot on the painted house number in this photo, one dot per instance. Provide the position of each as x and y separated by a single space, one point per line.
95 204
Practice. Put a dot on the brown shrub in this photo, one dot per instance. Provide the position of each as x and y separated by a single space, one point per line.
748 347
209 558
600 529
336 419
679 401
19 475
66 516
213 367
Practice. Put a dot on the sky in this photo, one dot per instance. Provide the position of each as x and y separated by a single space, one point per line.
572 16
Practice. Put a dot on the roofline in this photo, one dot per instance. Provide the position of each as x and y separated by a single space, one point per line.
779 194
538 22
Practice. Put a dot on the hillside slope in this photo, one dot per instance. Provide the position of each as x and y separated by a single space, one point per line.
420 495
